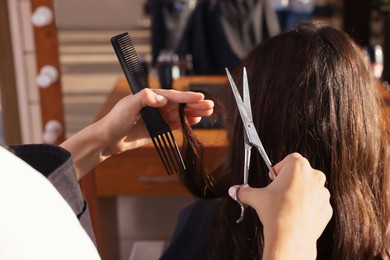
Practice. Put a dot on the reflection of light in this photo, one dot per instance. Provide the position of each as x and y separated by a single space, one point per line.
377 69
378 52
42 16
192 4
53 130
284 2
305 2
375 56
377 64
47 76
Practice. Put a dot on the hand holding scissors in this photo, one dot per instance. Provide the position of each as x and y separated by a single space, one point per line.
251 137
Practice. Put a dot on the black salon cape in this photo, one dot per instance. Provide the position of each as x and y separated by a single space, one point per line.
190 238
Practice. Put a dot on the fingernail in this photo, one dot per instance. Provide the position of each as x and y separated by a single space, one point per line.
233 191
160 99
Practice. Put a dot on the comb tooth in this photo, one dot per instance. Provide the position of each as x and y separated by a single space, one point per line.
175 150
169 152
162 155
124 45
166 154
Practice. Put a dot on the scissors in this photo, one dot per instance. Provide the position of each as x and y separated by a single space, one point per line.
251 137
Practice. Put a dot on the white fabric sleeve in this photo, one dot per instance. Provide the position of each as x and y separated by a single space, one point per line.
35 221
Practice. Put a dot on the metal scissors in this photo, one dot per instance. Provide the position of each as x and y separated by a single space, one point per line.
251 137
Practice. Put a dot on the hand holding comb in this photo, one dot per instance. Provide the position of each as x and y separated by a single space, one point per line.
159 130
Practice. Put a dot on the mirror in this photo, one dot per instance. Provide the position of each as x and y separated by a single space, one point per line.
88 63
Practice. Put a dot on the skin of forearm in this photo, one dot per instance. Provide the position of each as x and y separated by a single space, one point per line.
282 247
87 149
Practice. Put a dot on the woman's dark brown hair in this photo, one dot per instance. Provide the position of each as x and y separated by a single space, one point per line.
312 92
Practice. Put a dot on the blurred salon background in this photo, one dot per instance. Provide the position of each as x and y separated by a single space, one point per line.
57 69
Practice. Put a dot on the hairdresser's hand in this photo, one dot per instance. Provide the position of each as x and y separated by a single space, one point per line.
294 209
123 129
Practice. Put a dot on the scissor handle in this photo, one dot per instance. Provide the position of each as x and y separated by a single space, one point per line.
242 205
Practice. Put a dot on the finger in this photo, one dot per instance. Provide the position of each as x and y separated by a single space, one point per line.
198 112
172 116
205 104
243 193
278 167
170 99
321 176
203 108
294 160
190 120
180 96
325 212
293 156
193 120
329 209
147 97
172 113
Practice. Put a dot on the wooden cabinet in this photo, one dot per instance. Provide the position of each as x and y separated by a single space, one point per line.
140 171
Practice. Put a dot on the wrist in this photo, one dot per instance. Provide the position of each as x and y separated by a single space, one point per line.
88 149
288 246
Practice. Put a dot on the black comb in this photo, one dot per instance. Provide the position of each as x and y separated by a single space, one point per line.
159 130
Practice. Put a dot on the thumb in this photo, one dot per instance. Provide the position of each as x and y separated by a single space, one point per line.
244 193
147 97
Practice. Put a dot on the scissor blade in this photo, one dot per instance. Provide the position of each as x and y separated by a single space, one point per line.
240 104
245 94
250 130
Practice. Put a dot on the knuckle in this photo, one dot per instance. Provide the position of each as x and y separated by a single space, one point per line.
295 156
327 194
321 177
